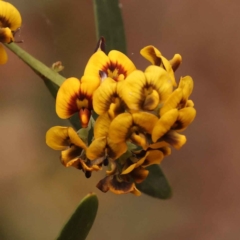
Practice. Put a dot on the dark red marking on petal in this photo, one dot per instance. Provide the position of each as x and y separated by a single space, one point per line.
113 66
72 105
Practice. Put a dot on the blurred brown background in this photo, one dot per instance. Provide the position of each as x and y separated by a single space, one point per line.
38 194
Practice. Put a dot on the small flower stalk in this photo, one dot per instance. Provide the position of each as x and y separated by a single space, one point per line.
136 116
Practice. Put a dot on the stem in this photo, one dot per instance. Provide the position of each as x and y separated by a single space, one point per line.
42 70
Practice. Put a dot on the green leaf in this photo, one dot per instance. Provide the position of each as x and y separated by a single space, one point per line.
155 185
52 87
80 223
109 24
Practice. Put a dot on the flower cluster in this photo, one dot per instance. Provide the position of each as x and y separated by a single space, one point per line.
10 21
140 115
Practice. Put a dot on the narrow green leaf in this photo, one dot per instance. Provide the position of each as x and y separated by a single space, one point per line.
80 223
155 185
38 67
109 24
52 87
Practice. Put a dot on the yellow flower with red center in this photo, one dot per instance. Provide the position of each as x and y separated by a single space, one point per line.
10 21
76 95
140 116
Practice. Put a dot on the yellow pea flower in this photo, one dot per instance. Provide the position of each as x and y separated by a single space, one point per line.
72 149
10 21
153 55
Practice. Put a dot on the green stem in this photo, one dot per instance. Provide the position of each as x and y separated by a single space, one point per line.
42 70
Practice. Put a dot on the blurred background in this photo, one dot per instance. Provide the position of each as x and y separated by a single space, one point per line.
38 194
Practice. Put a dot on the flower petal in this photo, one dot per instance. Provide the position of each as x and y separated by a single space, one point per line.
3 55
69 156
145 121
119 128
185 117
97 148
164 124
10 16
159 79
186 84
102 97
119 187
67 98
88 85
152 54
172 101
139 174
101 126
115 150
176 61
98 61
132 90
121 63
57 138
154 157
175 139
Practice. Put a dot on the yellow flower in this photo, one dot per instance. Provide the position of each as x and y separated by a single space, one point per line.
136 127
139 117
102 145
118 185
106 98
72 99
115 65
76 96
10 21
153 55
176 114
72 149
146 90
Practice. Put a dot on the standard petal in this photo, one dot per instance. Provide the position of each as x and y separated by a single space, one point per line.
67 98
102 98
57 138
132 90
10 16
121 64
99 61
164 124
88 85
159 80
